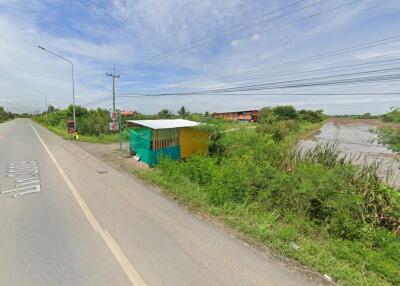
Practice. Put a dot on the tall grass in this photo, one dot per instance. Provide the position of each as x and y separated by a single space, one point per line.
342 216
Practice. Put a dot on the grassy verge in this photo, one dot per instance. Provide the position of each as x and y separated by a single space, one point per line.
104 138
328 208
340 259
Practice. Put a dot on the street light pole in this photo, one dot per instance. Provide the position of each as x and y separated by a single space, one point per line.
73 83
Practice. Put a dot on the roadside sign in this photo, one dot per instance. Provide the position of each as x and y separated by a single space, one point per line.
71 126
114 126
114 115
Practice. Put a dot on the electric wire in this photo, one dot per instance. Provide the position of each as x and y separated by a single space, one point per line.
200 42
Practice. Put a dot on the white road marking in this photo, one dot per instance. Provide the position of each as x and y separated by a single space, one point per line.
36 189
32 189
26 183
24 186
126 265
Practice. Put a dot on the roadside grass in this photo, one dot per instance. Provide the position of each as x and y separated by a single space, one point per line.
103 138
340 216
344 261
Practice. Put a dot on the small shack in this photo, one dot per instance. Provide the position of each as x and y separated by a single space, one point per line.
176 138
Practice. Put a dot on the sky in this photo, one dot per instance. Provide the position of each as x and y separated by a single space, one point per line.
190 46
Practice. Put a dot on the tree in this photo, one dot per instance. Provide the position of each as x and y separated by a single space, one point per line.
267 115
51 108
285 112
5 115
183 112
165 113
79 111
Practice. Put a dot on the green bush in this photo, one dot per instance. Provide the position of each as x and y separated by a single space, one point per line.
285 112
311 115
314 195
392 116
5 115
89 122
390 137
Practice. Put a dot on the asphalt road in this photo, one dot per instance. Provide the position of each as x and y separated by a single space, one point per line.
66 218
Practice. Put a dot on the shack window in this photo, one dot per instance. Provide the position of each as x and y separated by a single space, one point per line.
163 138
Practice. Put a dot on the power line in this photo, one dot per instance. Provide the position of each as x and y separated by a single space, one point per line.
293 83
284 74
222 35
280 26
332 76
275 93
346 50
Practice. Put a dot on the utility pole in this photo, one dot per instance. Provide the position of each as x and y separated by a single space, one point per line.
113 75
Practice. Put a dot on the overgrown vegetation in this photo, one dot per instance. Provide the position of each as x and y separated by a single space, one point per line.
92 125
344 220
392 116
390 136
281 121
5 115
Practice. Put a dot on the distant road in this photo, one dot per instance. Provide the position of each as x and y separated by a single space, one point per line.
68 219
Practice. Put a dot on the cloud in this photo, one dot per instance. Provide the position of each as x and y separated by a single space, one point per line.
190 34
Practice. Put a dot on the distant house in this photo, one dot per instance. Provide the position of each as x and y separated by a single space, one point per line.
246 115
129 113
175 138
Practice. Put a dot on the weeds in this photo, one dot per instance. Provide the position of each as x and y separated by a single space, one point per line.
342 216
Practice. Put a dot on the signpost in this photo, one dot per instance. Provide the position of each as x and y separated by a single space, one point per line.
71 126
114 126
114 116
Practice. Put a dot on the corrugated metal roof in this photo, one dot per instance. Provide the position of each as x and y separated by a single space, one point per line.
164 123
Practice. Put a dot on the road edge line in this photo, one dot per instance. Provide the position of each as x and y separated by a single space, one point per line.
133 276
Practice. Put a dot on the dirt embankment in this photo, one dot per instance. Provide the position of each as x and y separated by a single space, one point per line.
373 122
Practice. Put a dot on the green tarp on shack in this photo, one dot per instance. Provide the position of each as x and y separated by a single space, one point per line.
140 142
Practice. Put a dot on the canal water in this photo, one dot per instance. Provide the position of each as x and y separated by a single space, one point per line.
358 142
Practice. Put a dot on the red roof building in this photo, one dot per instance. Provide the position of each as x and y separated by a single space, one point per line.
129 113
247 115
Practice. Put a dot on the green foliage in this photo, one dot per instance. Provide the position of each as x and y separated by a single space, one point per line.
51 108
5 115
165 114
392 116
344 219
89 122
281 121
285 112
311 115
366 116
182 112
390 137
279 130
267 116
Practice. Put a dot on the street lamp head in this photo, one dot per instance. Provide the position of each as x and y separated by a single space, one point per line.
40 47
108 74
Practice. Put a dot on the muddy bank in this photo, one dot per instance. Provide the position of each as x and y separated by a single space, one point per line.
354 137
377 123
